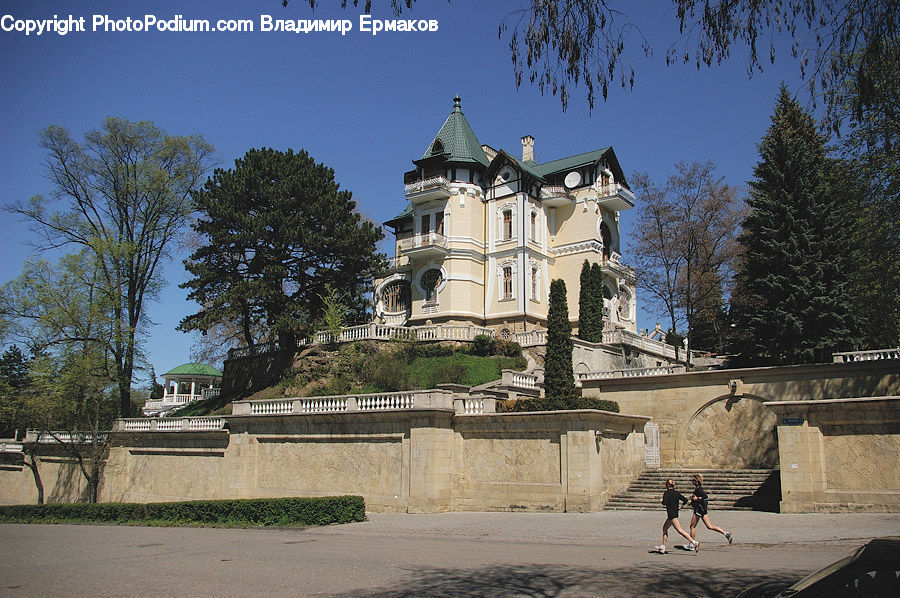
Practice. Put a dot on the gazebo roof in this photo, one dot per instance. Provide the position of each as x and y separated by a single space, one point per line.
194 369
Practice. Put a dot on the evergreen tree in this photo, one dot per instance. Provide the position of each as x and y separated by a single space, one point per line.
597 293
278 234
14 368
792 304
590 309
559 381
710 326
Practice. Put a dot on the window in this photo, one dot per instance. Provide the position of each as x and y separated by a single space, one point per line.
439 223
606 237
534 230
431 280
534 284
507 225
507 282
426 224
396 297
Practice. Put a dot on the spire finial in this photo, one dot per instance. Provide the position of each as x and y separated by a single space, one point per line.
457 103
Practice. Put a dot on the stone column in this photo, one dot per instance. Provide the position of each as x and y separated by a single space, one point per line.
582 470
431 464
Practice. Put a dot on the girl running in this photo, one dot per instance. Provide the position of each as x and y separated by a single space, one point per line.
670 499
700 503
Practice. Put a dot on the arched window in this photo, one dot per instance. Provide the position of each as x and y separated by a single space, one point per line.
437 147
507 233
606 237
431 280
507 282
395 297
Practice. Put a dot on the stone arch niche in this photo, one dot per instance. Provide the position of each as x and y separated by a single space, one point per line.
730 433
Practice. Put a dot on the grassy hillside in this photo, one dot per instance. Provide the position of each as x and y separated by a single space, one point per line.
370 367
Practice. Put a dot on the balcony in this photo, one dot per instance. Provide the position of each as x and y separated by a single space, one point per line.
615 197
555 196
426 245
434 188
396 264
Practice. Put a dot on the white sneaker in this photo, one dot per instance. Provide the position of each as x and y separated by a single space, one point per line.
728 537
661 548
695 546
688 546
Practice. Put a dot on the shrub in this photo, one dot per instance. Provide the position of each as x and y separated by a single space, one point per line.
559 404
383 371
433 350
265 511
483 345
507 348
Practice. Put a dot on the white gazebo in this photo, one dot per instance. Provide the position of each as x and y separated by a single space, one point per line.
185 384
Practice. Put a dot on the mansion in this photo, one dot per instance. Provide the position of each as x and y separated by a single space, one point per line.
484 232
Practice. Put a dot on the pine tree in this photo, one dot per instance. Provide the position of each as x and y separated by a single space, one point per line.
278 233
559 381
590 310
791 302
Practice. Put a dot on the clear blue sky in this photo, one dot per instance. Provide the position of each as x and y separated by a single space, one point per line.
365 105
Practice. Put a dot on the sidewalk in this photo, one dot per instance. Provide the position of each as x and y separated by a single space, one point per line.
633 527
447 554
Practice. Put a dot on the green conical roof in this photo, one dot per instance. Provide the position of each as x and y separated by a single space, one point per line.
194 369
456 140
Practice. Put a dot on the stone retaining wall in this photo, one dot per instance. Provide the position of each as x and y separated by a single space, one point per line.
717 419
839 454
425 460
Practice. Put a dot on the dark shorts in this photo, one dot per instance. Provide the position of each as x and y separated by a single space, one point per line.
672 514
700 508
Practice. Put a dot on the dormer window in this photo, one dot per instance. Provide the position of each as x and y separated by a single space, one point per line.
437 147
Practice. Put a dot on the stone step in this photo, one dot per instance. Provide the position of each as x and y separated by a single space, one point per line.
729 489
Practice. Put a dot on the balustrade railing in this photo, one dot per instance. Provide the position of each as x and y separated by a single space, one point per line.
432 183
631 373
548 191
418 399
64 437
532 338
170 424
627 337
378 402
205 423
321 405
473 406
11 447
422 240
874 355
276 407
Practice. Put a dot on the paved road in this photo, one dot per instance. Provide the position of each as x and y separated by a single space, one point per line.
448 554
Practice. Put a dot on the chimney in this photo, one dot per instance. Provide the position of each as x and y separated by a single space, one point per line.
527 148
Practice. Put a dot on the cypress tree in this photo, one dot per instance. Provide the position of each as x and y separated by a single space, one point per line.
791 303
559 381
590 311
597 293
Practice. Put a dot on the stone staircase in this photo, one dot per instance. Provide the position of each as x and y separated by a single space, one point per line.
728 489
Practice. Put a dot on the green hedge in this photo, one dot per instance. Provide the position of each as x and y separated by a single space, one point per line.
559 404
256 511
